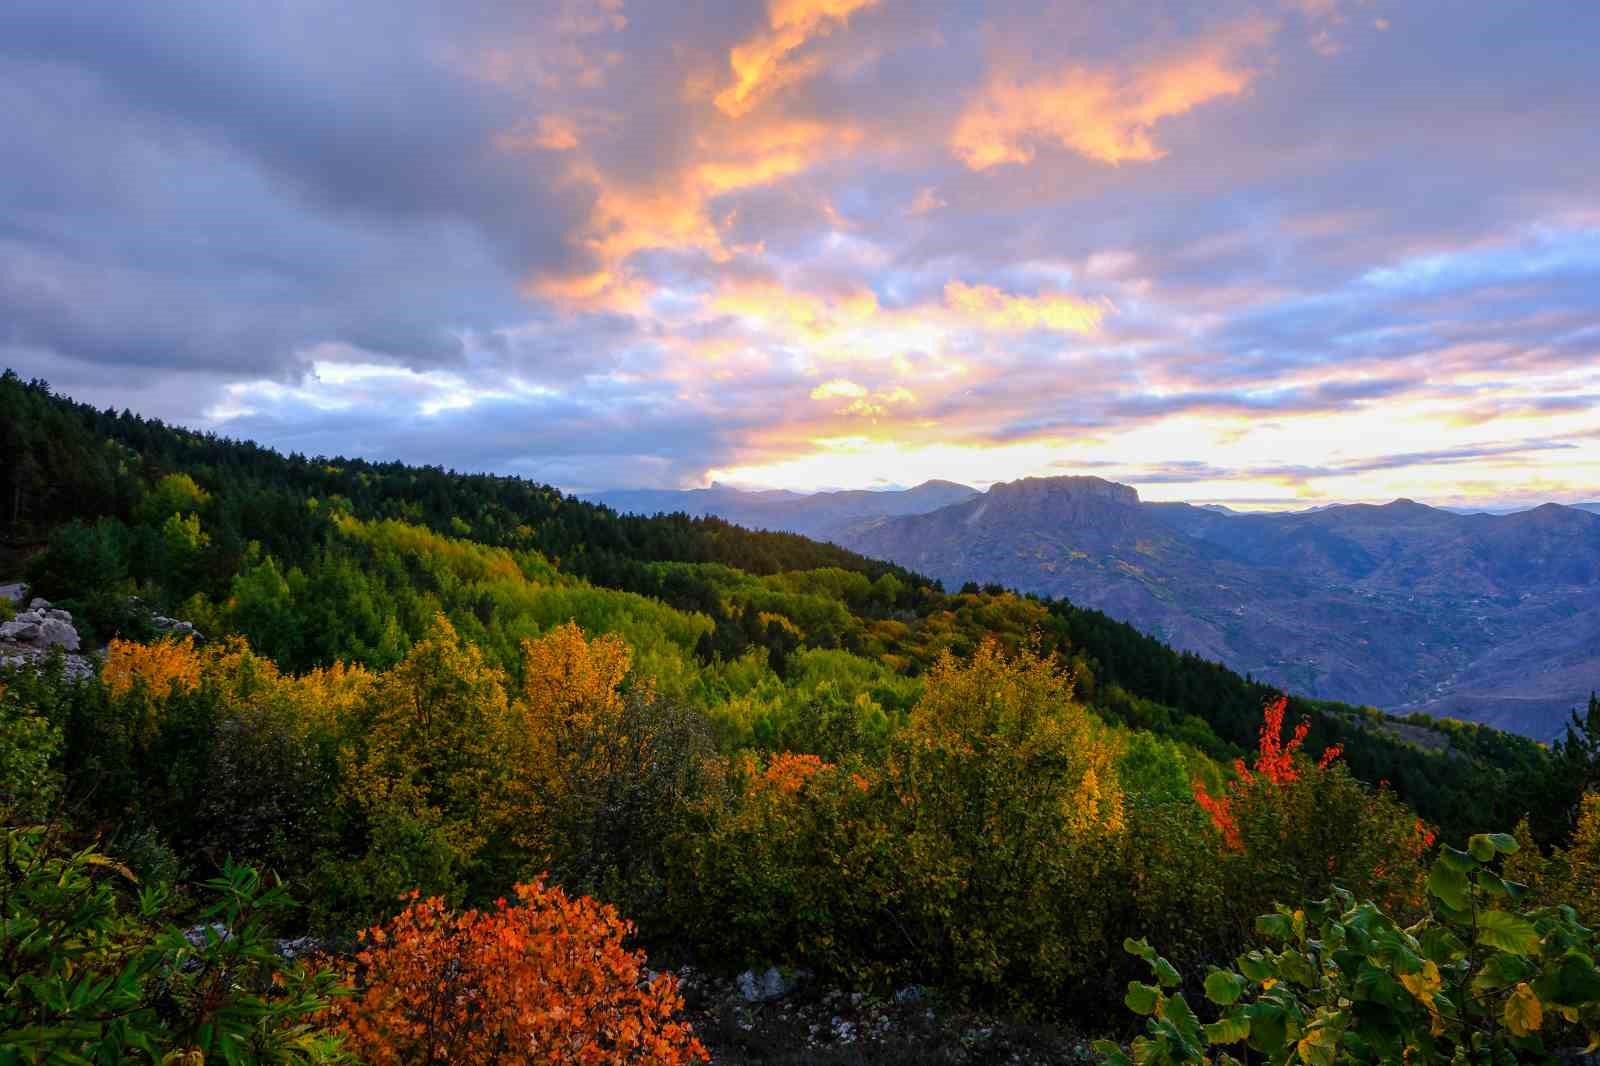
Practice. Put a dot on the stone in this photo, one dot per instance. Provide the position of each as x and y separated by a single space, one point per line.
767 987
20 631
29 616
56 633
59 615
39 603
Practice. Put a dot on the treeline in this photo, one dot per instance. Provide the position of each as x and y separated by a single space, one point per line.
242 539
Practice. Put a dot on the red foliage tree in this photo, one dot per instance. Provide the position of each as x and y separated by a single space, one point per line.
544 980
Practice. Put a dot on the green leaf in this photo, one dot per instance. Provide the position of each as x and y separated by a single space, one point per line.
1229 1029
1142 998
1501 971
1224 988
1256 966
1441 945
1459 861
1505 931
1481 847
1504 843
1451 886
1183 1020
1268 1029
1275 926
1166 973
1140 948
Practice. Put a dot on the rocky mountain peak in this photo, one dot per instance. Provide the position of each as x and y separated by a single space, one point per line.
1064 488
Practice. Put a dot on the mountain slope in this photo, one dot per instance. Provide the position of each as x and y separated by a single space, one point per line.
1403 606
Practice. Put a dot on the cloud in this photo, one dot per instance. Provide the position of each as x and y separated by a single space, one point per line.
766 61
988 307
1108 115
1257 236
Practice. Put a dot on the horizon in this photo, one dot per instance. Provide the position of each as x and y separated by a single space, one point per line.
1269 506
1272 254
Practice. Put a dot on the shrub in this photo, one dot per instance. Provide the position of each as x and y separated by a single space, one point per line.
1288 827
790 858
90 978
29 743
1340 981
545 979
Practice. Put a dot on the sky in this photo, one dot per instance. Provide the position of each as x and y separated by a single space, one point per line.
1270 254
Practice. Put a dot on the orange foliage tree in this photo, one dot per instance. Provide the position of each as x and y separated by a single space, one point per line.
161 667
544 979
603 766
1292 822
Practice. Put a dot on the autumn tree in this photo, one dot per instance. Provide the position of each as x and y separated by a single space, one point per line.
1011 804
1289 824
544 978
604 765
428 768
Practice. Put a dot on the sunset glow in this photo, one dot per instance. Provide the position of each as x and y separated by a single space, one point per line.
1269 253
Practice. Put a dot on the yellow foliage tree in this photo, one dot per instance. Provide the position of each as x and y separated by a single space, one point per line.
603 764
160 669
434 758
1012 805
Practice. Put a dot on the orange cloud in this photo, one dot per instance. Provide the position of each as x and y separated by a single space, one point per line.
671 209
993 309
1105 115
808 313
765 62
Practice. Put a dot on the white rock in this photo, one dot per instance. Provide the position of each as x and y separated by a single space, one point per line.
55 632
59 615
39 603
20 631
29 616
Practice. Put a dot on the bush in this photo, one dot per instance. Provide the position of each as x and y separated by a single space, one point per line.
1338 981
545 980
91 977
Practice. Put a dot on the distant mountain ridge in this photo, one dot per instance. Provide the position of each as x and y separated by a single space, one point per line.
1492 618
825 515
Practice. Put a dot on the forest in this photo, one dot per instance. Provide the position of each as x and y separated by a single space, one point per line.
495 751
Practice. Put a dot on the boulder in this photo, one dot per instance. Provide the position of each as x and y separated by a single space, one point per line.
59 615
39 603
55 633
29 616
20 631
768 987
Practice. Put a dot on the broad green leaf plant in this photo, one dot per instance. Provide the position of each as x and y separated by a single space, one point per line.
1476 980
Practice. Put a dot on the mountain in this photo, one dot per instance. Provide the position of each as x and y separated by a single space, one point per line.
825 515
1491 618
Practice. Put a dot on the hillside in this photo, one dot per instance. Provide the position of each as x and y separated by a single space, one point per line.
749 588
1490 618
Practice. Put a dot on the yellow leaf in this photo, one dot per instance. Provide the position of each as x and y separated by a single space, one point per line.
1523 1013
1423 985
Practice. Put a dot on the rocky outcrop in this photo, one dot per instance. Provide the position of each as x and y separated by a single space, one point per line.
43 627
35 633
